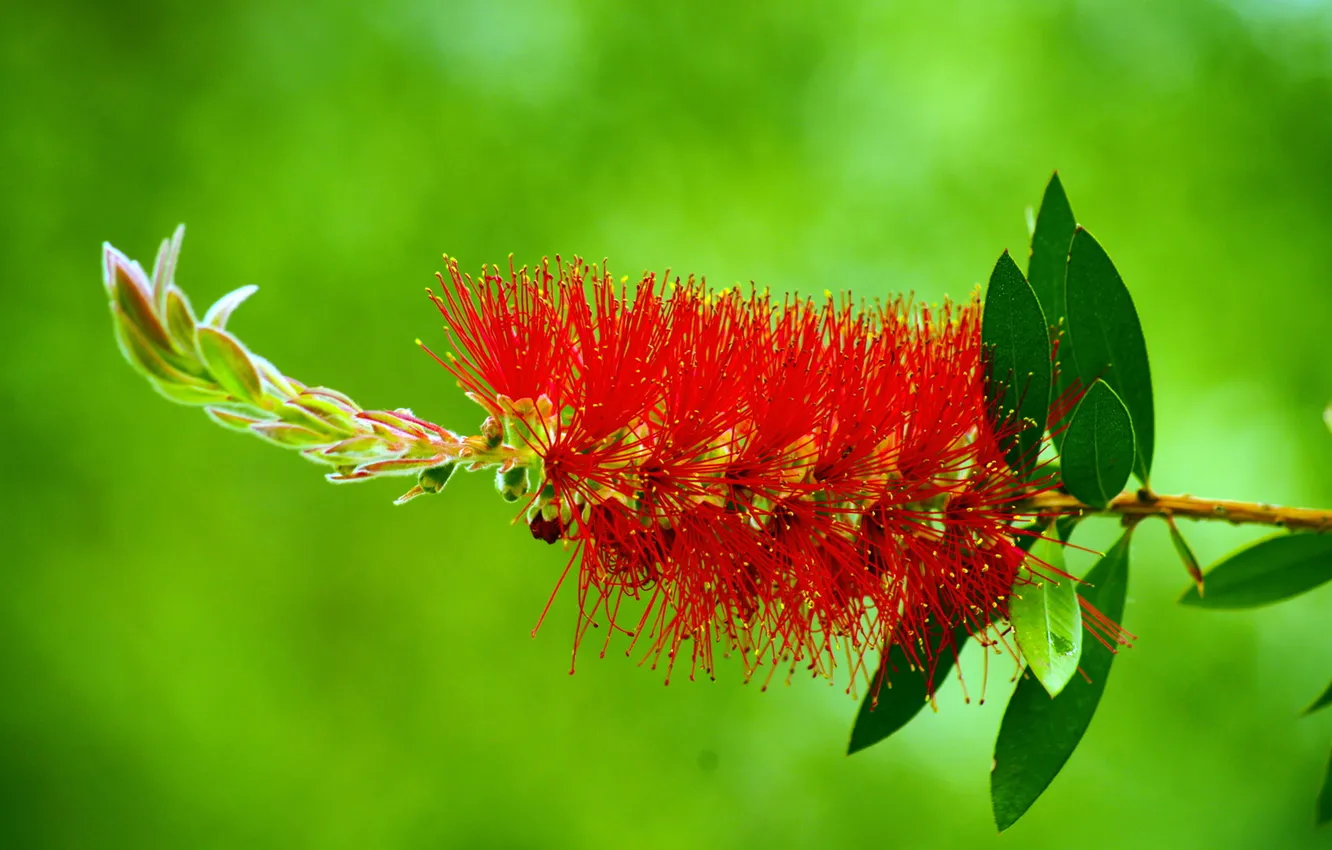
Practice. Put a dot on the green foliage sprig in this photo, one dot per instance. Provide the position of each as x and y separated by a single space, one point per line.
1105 437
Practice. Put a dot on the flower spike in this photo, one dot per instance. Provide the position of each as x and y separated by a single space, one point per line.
795 481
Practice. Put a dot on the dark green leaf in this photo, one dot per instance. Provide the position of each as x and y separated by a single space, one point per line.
1104 339
1046 618
1098 447
1325 798
1322 702
1049 252
1039 734
1268 571
1017 345
905 690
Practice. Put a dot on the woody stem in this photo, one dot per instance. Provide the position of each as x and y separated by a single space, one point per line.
1136 505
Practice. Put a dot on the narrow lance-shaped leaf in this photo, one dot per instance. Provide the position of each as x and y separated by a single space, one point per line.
1039 734
1046 617
1049 252
281 384
164 267
297 415
1104 339
1322 702
180 320
906 688
230 364
1185 552
285 434
1268 571
188 393
1017 344
230 419
221 311
135 303
1098 452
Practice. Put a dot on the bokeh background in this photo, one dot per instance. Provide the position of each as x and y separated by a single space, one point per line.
203 645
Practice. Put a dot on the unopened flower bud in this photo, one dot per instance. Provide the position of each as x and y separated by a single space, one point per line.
493 431
512 485
432 480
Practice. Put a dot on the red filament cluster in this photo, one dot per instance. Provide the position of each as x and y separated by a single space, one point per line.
797 481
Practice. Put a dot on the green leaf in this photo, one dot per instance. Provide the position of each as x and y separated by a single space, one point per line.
1039 734
137 306
230 419
145 357
1050 242
188 393
1017 344
281 385
1065 524
297 415
164 268
1029 534
905 690
1046 617
1098 447
1268 571
218 314
230 365
1325 798
284 434
1322 702
355 450
1105 340
180 320
1185 552
326 411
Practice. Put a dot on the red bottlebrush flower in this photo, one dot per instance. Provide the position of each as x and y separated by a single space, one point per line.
797 481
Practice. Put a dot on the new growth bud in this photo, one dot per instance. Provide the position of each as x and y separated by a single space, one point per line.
201 363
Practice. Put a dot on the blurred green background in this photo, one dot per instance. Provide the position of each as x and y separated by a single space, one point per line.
203 645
